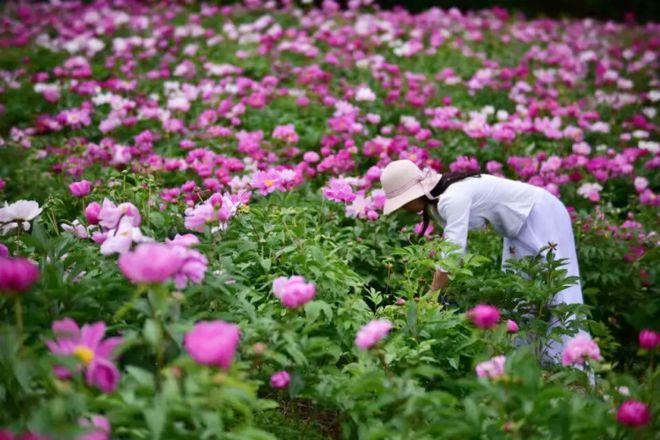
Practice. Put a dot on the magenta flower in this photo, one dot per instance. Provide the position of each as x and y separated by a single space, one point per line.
92 213
370 334
633 413
150 263
80 189
579 349
88 346
99 428
338 190
212 343
491 369
4 251
484 316
280 380
649 339
512 326
293 292
17 275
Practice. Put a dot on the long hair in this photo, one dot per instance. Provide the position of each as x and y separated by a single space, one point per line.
445 182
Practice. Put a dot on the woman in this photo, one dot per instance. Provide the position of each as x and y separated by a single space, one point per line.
528 217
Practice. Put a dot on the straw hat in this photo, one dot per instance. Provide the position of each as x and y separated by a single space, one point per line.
403 181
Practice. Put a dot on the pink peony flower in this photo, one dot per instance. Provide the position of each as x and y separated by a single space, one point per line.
491 369
4 251
649 339
484 316
286 133
17 275
294 291
150 263
111 215
338 190
194 263
212 343
633 413
370 334
80 189
267 181
99 428
512 326
280 380
579 349
92 213
92 351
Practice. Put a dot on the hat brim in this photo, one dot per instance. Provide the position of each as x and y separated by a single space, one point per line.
397 202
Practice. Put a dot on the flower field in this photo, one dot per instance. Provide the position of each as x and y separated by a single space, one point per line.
192 243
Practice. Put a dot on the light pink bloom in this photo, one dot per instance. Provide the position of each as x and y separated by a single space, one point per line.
286 133
370 334
484 316
99 427
267 181
633 413
119 241
491 369
111 215
641 183
280 379
512 326
94 353
649 339
294 291
194 263
212 343
80 189
150 263
338 190
579 349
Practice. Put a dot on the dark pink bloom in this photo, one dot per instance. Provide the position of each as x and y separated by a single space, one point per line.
280 379
649 339
484 316
212 343
150 263
92 213
633 413
88 346
370 334
293 292
4 251
17 275
80 189
579 349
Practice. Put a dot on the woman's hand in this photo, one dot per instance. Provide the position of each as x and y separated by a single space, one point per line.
440 280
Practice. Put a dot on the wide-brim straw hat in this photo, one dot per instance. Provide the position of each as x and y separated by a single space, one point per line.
403 182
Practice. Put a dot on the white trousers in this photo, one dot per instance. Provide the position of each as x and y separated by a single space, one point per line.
549 222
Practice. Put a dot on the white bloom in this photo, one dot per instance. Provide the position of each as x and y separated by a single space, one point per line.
365 94
120 240
17 214
651 146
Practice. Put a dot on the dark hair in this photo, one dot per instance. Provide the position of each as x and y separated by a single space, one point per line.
445 182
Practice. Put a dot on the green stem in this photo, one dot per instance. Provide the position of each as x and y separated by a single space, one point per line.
18 309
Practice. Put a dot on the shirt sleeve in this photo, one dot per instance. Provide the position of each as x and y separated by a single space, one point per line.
456 213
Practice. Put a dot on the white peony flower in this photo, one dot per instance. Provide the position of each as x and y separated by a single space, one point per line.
17 214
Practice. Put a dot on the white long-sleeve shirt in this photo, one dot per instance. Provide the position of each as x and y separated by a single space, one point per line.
471 203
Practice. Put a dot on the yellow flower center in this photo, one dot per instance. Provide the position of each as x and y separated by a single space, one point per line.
268 182
413 157
85 355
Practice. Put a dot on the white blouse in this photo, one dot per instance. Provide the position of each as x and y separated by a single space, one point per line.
475 201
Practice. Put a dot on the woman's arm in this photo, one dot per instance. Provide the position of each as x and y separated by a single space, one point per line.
456 212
